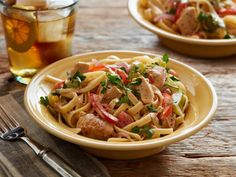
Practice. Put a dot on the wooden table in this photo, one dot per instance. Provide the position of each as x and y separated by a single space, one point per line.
105 25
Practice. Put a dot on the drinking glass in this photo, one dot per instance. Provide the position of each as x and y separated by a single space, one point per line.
37 33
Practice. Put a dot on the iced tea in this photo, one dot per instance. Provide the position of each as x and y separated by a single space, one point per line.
36 35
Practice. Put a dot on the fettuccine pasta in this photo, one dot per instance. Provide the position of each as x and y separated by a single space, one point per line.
119 100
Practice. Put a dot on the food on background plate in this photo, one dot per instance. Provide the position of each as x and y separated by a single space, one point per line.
201 19
119 100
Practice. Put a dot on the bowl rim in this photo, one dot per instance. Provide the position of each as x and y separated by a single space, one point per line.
133 11
99 144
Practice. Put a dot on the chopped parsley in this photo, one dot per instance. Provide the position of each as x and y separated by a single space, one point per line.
137 81
123 68
208 22
202 17
136 129
165 58
115 80
78 76
104 87
173 78
151 108
44 101
133 71
145 130
75 80
124 99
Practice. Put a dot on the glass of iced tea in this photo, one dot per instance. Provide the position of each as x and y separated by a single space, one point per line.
37 33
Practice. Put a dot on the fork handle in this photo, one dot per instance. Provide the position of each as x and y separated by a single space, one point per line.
58 164
51 158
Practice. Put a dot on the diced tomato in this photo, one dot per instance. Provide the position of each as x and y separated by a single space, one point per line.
180 8
97 68
59 85
122 75
167 105
224 12
94 100
124 119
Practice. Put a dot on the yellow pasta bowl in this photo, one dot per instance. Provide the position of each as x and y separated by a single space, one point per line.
206 48
202 106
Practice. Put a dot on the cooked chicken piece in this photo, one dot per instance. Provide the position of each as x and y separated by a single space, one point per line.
157 76
187 22
94 127
111 93
82 67
145 91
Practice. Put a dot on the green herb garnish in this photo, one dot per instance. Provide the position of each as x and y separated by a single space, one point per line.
44 101
133 71
151 108
173 78
75 80
147 131
124 99
137 81
136 129
208 22
115 80
104 87
78 76
202 17
123 68
165 58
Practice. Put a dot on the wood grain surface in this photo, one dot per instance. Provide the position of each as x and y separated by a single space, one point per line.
105 25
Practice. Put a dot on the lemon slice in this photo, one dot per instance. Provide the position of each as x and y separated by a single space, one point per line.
20 35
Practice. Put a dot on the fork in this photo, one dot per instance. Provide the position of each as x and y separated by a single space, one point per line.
11 130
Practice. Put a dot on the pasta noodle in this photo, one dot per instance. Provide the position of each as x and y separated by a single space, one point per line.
136 108
122 107
119 100
141 122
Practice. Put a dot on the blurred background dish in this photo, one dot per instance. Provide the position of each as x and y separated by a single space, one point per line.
201 109
207 48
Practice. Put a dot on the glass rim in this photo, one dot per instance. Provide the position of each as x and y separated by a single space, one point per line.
39 10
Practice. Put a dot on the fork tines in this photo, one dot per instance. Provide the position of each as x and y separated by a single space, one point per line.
7 122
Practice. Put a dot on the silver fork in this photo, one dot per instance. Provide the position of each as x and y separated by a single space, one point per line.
11 130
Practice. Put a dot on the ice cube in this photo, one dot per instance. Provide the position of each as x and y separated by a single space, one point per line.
52 27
